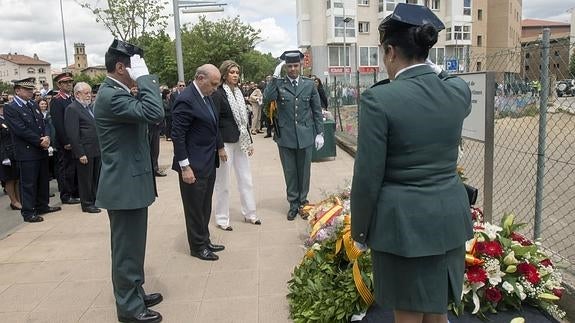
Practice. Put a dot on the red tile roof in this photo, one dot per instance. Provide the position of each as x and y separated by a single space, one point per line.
23 59
542 23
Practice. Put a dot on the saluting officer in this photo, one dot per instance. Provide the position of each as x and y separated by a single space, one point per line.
127 185
298 126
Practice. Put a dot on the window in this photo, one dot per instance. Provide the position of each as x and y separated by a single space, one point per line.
363 2
437 55
434 4
338 3
15 71
41 70
466 32
368 56
336 56
448 34
478 66
461 33
31 70
467 7
411 1
340 25
363 27
528 55
380 6
328 4
390 5
479 40
479 14
527 67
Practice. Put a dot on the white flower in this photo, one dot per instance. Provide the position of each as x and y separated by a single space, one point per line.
491 230
508 287
316 246
494 273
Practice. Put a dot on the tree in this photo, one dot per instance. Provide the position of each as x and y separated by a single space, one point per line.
82 77
215 41
159 52
129 19
6 87
256 66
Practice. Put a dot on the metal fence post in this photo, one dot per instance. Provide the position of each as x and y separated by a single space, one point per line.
543 99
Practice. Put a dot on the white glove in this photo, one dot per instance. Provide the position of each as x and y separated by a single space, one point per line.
138 67
6 162
318 141
50 151
436 68
278 70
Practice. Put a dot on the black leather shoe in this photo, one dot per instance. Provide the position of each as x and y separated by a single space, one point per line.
205 254
91 209
50 209
215 247
291 215
71 200
34 219
267 136
148 316
153 299
159 174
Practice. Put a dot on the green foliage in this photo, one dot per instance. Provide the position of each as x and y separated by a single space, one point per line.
6 87
128 19
256 66
322 288
160 55
81 77
215 41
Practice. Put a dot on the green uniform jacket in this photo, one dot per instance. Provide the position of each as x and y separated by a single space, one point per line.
126 179
299 116
406 197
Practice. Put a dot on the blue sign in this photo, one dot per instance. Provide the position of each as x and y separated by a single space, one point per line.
452 65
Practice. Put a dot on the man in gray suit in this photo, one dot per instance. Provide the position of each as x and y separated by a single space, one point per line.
81 129
299 126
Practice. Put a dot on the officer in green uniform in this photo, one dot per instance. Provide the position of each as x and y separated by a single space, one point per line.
127 186
299 126
407 201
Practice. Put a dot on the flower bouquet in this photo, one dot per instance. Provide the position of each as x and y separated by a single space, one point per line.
505 270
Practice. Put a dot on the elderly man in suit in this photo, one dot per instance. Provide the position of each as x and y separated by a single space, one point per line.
194 134
298 124
127 184
31 141
81 129
67 180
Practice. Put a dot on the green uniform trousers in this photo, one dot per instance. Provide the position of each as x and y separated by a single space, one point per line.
296 164
128 230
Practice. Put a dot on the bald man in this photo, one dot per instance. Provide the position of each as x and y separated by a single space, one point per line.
194 133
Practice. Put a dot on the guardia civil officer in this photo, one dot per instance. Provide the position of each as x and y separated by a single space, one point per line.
127 184
407 201
298 126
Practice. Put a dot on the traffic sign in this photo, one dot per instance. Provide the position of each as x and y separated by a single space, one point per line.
452 65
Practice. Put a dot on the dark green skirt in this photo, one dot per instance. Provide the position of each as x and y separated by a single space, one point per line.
421 284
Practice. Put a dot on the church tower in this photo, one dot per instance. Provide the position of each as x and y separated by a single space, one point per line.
80 57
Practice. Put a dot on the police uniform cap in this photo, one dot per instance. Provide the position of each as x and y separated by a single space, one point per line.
63 77
411 14
27 83
292 56
125 48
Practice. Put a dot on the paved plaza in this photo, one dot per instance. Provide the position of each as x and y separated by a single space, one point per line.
59 270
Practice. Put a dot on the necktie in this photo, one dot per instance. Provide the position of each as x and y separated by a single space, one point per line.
209 107
294 83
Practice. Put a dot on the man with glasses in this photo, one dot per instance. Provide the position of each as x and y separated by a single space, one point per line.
67 182
81 130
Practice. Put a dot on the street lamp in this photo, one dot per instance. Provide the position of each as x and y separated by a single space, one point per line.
191 6
345 21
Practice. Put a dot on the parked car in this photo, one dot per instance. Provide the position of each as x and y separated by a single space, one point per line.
565 87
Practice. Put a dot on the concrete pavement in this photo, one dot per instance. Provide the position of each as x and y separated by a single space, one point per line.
59 270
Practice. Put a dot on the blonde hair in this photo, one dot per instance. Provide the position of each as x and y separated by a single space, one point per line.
226 67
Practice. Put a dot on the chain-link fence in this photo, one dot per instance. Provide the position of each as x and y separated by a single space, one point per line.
534 162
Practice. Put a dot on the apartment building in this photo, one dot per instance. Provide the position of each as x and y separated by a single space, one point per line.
14 66
340 37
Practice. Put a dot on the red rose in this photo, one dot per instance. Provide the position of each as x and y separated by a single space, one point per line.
519 238
493 294
490 248
546 262
558 292
529 271
476 274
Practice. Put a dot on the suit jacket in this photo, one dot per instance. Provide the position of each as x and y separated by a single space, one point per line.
406 197
195 133
58 106
27 126
81 131
228 128
126 178
299 117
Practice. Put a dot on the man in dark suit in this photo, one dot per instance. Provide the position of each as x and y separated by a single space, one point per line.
127 185
194 134
299 126
31 141
67 181
81 130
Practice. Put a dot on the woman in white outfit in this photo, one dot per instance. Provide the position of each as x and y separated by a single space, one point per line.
235 145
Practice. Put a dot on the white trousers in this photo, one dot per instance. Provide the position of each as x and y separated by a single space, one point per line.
240 162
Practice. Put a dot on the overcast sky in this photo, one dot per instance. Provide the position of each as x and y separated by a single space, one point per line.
34 26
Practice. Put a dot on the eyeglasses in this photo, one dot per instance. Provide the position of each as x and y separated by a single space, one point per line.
182 85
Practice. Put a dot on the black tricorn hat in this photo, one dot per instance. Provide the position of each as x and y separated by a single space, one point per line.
292 56
411 14
125 48
27 83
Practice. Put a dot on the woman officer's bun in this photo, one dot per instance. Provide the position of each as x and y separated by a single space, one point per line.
425 36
